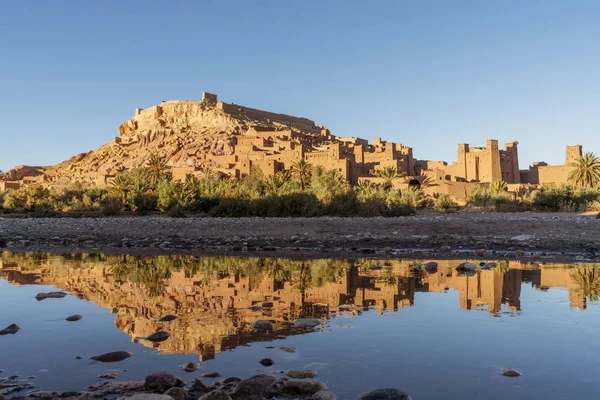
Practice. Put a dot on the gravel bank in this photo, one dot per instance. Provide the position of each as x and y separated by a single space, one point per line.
454 235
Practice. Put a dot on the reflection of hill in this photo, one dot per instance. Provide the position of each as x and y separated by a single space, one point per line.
211 296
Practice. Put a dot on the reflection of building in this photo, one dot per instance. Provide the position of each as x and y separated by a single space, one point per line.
214 316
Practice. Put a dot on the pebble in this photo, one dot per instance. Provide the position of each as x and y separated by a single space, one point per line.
307 322
302 374
385 394
74 318
147 396
267 362
511 373
160 336
211 374
254 387
168 318
176 393
190 367
161 381
215 395
323 395
263 325
50 295
10 330
114 356
303 387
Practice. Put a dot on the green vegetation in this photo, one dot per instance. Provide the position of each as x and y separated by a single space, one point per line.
587 171
304 191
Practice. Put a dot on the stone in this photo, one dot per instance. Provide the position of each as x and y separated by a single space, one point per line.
287 349
303 387
430 267
231 379
168 318
176 393
323 395
211 374
263 325
10 330
50 295
490 265
302 373
511 373
385 394
466 266
160 336
216 395
190 367
255 308
198 386
114 356
307 322
147 396
253 388
160 381
74 318
267 362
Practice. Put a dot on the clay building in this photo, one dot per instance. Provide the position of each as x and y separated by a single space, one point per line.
540 173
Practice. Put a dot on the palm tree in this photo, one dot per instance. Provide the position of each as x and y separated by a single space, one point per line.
424 180
275 182
301 170
588 282
209 174
586 172
388 173
157 167
498 186
121 185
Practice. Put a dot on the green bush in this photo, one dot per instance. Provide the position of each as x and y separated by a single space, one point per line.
444 203
563 198
111 205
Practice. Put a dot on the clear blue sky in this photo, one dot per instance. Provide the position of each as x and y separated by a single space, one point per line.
429 74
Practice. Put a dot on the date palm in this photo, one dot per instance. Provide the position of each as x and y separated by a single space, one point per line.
388 173
121 185
157 169
301 170
586 172
498 186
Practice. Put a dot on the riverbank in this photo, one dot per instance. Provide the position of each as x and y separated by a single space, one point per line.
516 235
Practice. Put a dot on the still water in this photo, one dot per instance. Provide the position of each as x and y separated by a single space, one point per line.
437 335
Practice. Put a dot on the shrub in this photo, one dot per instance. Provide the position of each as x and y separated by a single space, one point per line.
177 212
111 205
562 198
444 202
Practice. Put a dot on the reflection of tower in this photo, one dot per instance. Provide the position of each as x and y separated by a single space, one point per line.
511 290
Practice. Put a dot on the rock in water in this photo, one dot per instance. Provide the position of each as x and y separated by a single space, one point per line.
385 394
115 356
267 362
511 373
74 318
307 322
302 374
255 308
168 318
211 374
147 396
216 395
10 330
323 395
263 325
50 295
466 266
430 267
161 381
287 349
190 367
303 387
176 393
253 388
489 265
160 336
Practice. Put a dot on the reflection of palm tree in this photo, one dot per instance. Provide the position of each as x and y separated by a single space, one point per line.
588 280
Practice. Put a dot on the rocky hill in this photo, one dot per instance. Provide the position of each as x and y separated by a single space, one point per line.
182 131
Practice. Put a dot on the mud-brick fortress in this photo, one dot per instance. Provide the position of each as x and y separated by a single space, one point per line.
272 149
232 140
287 139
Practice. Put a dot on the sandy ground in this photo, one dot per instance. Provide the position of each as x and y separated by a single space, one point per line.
453 235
